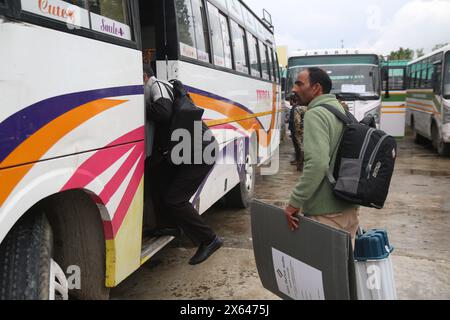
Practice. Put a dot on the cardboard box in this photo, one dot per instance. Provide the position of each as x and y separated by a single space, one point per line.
315 262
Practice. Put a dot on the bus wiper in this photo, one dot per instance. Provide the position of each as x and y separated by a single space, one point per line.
354 95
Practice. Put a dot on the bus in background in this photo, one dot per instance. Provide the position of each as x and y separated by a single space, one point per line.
72 129
428 99
394 97
355 74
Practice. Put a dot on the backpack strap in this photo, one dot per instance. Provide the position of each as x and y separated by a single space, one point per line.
346 120
330 173
169 91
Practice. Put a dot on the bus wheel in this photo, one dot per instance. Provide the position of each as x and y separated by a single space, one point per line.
442 148
241 195
28 271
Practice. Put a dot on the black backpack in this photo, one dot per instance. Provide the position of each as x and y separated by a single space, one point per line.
364 163
185 114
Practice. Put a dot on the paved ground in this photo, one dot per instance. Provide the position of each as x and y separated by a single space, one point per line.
416 215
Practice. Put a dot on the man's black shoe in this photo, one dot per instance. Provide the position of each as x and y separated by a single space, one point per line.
205 251
173 232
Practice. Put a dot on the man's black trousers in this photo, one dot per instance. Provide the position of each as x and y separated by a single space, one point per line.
172 188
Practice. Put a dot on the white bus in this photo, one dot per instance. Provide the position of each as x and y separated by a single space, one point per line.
428 99
393 113
72 128
355 74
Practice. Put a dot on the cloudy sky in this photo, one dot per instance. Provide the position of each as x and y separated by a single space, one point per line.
383 25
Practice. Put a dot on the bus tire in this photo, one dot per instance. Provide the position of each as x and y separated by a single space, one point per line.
242 194
442 148
79 241
26 260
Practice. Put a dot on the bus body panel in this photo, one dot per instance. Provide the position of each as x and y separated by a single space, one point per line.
425 107
446 126
360 108
67 132
393 113
107 78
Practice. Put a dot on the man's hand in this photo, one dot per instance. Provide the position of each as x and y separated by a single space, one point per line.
290 213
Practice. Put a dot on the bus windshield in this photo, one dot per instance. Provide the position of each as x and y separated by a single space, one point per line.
360 80
447 76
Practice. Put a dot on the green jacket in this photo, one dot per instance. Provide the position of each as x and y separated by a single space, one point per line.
322 133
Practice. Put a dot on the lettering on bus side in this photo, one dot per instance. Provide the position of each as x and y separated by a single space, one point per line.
112 28
262 95
55 10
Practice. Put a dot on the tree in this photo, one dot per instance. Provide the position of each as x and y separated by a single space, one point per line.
439 45
402 54
420 53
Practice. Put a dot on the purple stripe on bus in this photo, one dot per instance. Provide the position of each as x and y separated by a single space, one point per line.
21 125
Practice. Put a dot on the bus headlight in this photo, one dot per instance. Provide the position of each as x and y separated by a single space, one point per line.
375 112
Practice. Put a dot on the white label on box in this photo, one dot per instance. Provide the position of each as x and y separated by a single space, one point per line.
109 26
297 279
58 10
353 88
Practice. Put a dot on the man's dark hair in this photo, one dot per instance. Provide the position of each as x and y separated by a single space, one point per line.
148 70
320 76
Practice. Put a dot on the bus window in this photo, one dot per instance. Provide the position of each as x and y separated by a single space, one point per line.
396 79
423 75
239 47
264 61
270 62
201 31
226 40
235 10
216 36
186 29
4 10
3 5
437 78
278 71
429 76
118 23
413 76
273 68
447 77
254 56
84 4
115 10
